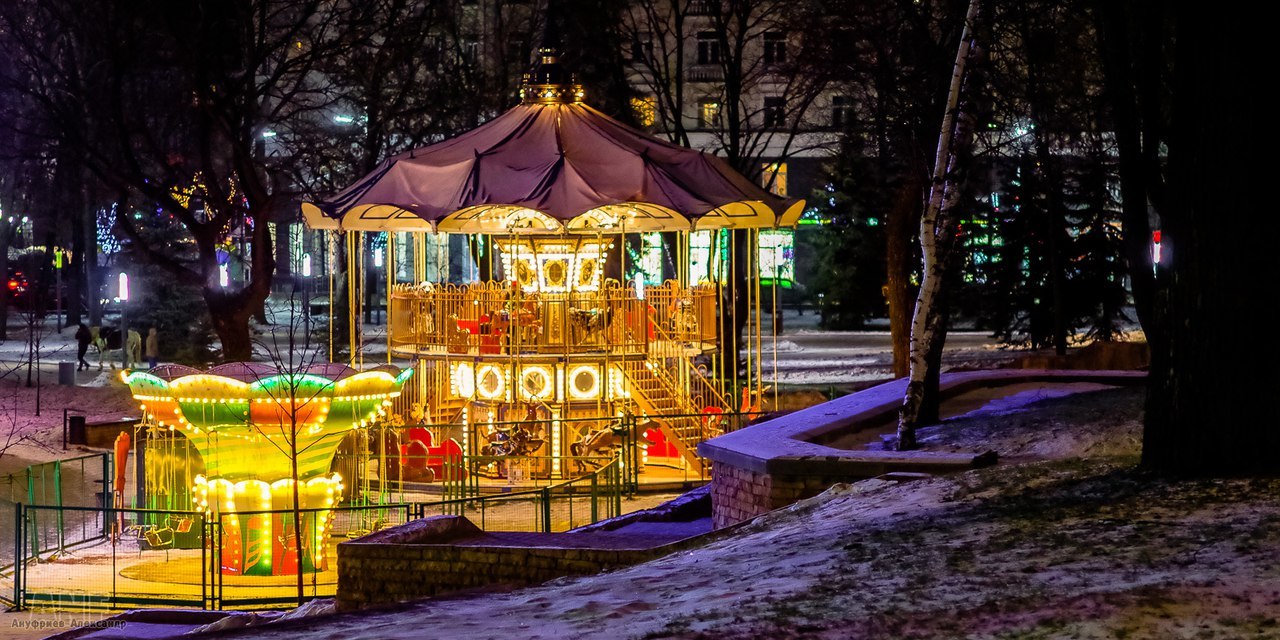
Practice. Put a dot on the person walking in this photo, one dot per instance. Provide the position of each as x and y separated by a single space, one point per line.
100 343
83 338
153 347
132 349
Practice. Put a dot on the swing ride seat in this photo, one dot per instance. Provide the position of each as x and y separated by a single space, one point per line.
180 525
159 537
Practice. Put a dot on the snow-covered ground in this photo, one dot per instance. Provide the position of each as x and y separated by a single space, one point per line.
1054 547
1062 546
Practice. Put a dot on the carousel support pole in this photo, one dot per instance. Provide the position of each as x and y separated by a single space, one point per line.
332 246
776 331
759 307
390 266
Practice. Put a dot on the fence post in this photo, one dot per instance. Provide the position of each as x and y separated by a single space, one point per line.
546 509
595 497
617 491
57 493
108 494
18 564
204 563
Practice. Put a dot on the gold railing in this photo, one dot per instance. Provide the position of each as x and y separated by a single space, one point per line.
495 318
697 391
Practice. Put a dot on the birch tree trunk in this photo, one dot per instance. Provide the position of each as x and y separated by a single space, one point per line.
937 224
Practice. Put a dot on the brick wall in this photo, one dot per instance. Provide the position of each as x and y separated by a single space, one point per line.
739 494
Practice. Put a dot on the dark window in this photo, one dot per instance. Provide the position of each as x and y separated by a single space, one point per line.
841 112
775 112
518 50
708 47
775 47
703 7
470 49
642 47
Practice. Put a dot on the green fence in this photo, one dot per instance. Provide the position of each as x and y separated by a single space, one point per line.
563 506
73 557
123 558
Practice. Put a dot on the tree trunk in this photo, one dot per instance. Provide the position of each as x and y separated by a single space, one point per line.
937 226
1113 46
73 269
6 239
1210 410
899 231
230 320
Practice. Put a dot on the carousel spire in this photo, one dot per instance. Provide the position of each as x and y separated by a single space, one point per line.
548 82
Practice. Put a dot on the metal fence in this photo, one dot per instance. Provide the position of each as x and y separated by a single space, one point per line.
76 557
558 507
82 557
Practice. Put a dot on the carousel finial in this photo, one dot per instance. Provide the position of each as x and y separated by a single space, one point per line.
547 82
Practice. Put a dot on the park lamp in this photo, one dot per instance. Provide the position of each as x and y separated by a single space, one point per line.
640 287
1155 250
123 294
377 259
306 265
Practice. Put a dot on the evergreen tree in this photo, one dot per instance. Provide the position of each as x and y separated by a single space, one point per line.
850 244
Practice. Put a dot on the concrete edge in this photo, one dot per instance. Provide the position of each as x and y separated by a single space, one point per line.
787 444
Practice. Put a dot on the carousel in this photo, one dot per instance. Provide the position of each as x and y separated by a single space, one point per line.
556 329
231 442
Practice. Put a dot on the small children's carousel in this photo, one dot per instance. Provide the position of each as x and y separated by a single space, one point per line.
253 427
555 329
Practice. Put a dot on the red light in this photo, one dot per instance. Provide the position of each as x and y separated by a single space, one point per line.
14 284
1155 236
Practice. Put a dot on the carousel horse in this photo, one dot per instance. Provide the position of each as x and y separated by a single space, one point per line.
589 322
517 441
603 442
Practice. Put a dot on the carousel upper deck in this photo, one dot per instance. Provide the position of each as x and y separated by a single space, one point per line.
503 320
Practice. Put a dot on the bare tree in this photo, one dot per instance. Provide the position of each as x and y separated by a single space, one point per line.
170 105
937 225
740 70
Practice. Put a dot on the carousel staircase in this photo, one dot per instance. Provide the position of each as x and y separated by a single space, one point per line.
670 408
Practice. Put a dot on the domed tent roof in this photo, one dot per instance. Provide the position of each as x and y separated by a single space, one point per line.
552 166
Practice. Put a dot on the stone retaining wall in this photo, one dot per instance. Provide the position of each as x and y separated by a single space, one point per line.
781 461
415 560
740 494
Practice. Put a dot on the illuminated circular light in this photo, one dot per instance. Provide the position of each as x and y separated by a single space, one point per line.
464 379
584 382
536 383
491 383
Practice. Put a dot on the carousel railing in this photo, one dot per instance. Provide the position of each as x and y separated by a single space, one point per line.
499 318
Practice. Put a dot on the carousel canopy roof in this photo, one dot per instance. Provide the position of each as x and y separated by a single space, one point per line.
552 165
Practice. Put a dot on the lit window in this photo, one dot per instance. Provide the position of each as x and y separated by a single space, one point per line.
773 176
775 112
645 110
709 113
775 47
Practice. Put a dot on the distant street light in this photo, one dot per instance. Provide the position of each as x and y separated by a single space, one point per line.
306 302
123 295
